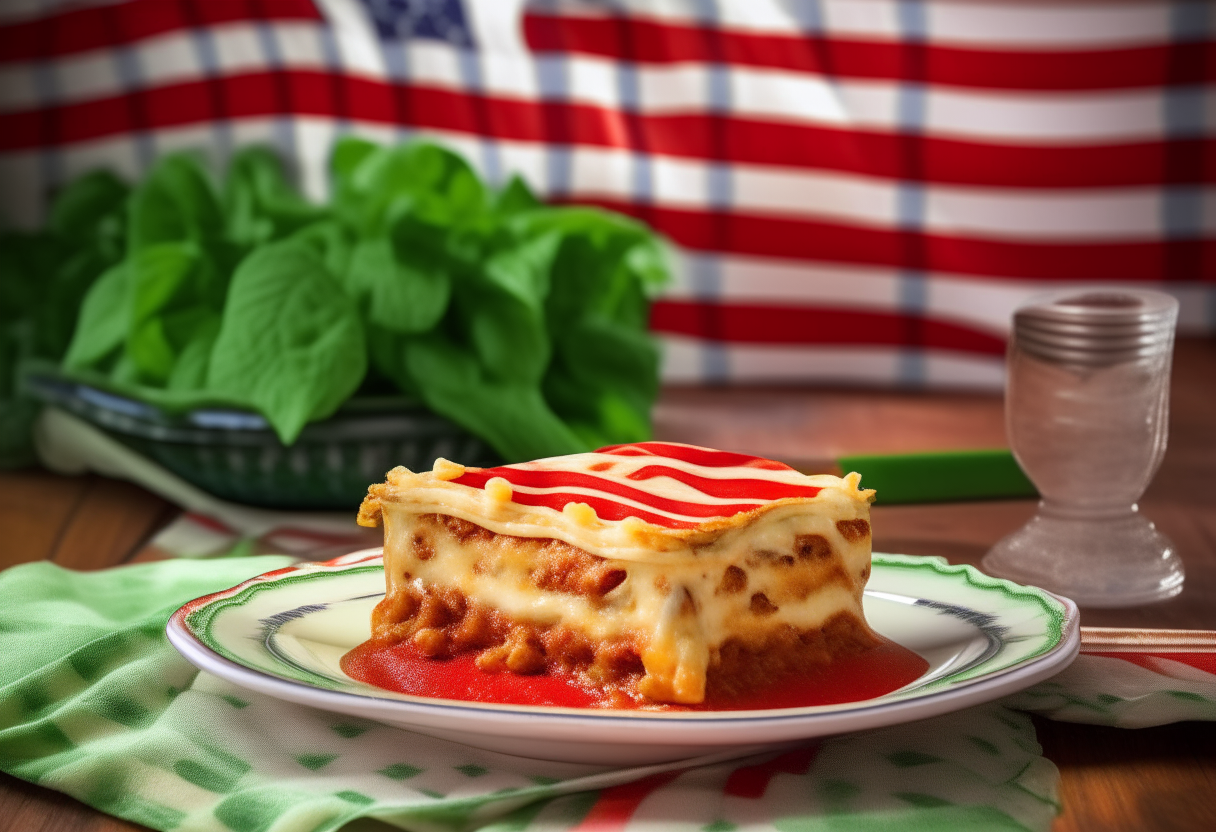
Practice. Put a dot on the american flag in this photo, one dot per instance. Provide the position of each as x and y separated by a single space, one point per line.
856 190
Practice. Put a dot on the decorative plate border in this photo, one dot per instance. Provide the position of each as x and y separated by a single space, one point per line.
1043 614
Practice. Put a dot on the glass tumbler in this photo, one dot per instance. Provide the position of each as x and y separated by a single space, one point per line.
1086 410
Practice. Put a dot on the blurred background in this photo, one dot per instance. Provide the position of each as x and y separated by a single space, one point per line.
857 191
847 199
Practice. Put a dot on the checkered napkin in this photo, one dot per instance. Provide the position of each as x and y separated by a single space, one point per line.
1131 680
95 702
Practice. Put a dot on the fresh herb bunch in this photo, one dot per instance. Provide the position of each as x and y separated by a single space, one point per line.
524 324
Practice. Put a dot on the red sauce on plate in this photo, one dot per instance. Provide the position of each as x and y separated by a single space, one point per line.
403 669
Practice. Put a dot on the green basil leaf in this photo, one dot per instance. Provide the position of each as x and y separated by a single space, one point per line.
515 197
104 319
174 289
603 381
512 417
176 202
400 296
259 202
523 269
349 152
420 179
331 241
150 352
290 342
190 370
508 338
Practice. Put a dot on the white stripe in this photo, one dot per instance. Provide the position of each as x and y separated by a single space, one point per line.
163 60
358 43
298 42
93 75
989 24
1049 25
495 25
982 303
828 364
238 49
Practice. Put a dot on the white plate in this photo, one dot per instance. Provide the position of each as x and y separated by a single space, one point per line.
283 633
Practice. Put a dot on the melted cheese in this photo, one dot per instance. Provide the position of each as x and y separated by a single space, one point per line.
673 595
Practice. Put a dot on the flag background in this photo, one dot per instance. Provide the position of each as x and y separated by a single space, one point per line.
856 190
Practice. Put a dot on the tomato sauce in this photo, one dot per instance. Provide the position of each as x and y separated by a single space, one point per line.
403 669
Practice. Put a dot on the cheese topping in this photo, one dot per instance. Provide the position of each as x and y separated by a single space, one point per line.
714 546
650 500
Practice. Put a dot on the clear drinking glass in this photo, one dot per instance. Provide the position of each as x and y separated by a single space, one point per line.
1086 407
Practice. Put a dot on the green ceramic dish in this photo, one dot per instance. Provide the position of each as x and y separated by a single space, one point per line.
235 455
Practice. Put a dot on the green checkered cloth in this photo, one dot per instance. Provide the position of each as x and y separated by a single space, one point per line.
94 702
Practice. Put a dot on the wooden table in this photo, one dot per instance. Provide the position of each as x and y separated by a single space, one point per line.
1111 779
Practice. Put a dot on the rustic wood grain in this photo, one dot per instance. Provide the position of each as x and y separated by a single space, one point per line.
25 807
84 522
35 509
1111 779
1159 779
112 521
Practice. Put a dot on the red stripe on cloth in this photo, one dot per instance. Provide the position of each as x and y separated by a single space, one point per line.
705 136
210 523
796 239
347 560
1200 661
115 25
740 323
752 781
613 809
997 67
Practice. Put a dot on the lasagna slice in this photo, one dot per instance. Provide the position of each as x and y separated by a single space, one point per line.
656 571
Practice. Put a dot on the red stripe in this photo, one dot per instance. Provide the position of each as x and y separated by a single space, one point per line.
735 489
739 140
752 781
477 478
119 24
796 239
615 806
742 323
835 57
1198 660
341 560
209 523
695 455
